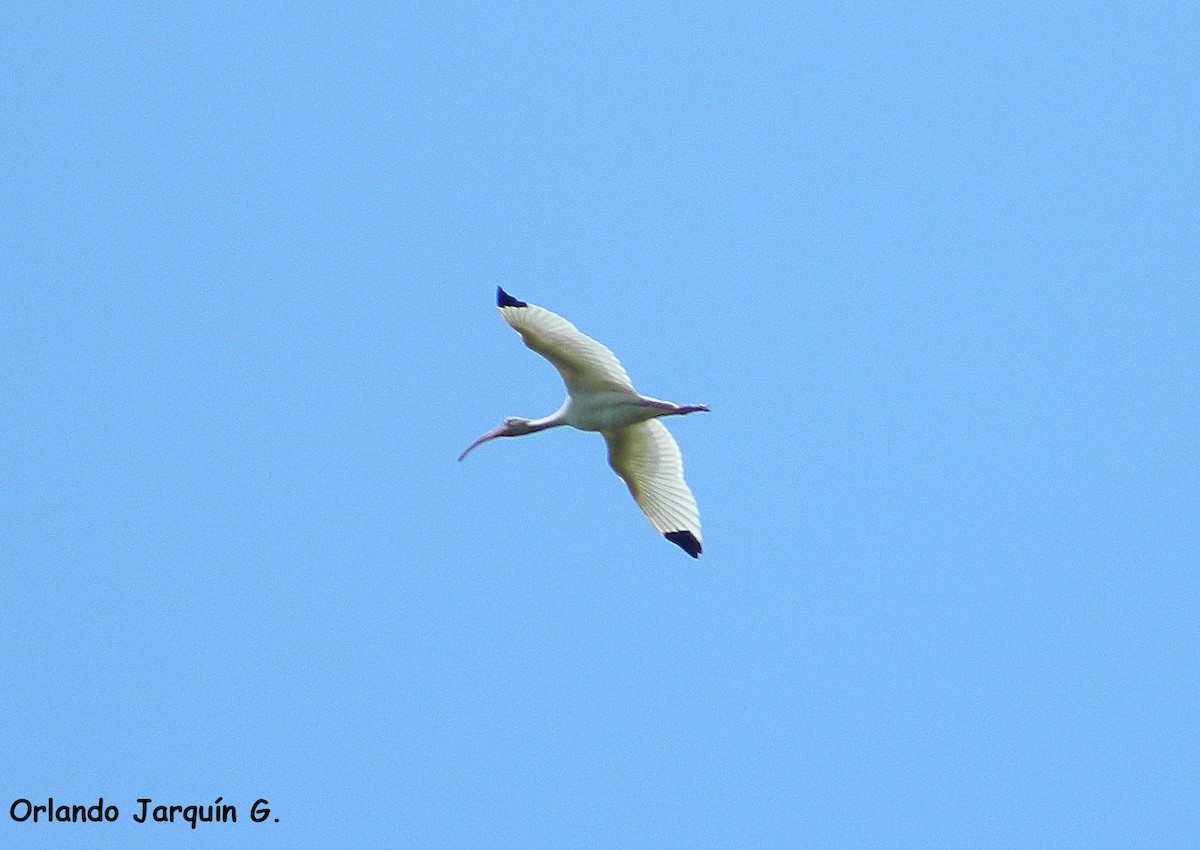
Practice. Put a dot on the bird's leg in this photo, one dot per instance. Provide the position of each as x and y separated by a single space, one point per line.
669 409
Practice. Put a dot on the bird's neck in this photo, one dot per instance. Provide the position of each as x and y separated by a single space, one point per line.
551 421
558 417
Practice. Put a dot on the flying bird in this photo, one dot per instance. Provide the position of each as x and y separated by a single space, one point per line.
600 397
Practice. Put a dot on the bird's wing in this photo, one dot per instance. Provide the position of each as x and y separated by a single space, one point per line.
585 365
647 459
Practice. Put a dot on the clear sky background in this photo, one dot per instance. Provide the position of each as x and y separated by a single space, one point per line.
933 266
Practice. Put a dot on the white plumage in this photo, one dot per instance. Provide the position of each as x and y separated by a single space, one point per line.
586 366
600 397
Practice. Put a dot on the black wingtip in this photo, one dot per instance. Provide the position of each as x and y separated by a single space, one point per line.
686 541
503 299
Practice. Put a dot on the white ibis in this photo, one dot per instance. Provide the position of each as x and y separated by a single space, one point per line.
600 397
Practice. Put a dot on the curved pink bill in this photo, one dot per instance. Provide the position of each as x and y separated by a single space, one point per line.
490 435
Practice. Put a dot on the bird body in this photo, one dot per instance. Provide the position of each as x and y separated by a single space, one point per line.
600 397
608 410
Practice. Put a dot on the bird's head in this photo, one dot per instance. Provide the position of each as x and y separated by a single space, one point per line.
513 426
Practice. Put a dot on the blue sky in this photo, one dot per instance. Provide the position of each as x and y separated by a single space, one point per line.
932 266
